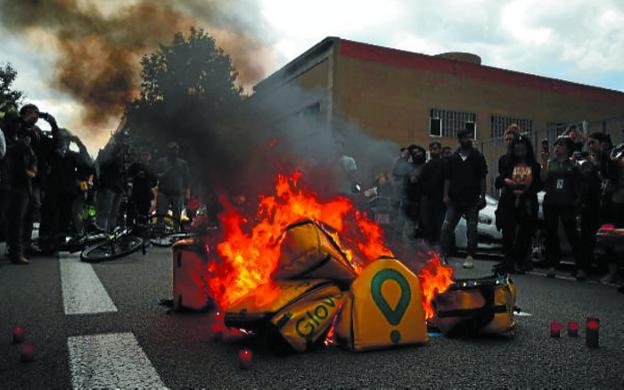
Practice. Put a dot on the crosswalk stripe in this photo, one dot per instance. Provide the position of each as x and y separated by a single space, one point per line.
83 293
112 360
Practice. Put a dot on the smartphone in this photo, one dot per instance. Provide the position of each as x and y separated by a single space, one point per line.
545 146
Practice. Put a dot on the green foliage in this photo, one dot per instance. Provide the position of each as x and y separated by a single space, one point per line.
9 98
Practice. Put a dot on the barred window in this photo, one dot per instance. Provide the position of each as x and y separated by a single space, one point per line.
445 123
499 124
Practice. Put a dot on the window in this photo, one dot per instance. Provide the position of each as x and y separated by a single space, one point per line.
435 127
499 124
450 122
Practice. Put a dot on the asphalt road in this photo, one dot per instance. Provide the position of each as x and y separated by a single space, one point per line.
141 345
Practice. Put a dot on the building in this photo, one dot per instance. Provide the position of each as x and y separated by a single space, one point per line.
415 98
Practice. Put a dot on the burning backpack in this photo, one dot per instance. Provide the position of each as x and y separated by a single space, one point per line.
190 289
308 251
300 311
476 306
383 308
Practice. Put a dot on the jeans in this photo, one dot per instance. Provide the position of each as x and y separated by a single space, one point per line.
453 214
19 201
175 201
590 223
107 209
518 229
552 215
432 214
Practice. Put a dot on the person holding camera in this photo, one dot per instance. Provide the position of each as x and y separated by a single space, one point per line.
464 194
19 169
43 147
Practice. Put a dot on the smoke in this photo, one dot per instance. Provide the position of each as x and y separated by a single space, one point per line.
98 46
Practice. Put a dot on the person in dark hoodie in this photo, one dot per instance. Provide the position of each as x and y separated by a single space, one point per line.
517 207
562 184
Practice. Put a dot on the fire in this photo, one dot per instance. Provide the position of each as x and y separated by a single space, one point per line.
249 247
435 278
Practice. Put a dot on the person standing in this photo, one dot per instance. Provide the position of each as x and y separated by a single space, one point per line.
173 181
62 188
42 146
418 158
512 131
517 207
432 192
562 186
400 179
616 211
22 168
143 180
464 194
111 184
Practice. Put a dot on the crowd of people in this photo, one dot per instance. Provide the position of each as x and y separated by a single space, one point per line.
43 178
582 179
48 176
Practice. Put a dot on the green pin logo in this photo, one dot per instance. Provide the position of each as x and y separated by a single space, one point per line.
393 316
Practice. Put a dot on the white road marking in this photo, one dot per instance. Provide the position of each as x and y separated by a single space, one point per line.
83 293
113 360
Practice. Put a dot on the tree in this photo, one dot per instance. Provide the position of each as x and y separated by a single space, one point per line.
9 98
189 95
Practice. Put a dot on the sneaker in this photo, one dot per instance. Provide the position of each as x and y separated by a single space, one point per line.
609 279
20 260
551 272
581 275
468 263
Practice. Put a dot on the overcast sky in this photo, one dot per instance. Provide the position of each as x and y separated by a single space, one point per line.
575 40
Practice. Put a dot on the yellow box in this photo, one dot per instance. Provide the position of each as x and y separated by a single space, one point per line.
383 308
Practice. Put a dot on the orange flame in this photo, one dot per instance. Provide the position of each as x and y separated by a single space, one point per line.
249 248
435 278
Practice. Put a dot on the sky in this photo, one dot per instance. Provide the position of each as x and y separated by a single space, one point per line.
574 40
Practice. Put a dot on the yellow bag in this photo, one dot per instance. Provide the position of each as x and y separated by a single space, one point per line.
190 289
477 306
309 252
382 309
303 322
301 311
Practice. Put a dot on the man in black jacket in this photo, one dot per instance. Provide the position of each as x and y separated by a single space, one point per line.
21 168
432 192
464 194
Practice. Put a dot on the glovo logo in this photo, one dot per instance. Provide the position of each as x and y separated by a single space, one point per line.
393 316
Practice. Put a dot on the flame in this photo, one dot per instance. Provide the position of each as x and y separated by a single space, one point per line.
248 248
435 278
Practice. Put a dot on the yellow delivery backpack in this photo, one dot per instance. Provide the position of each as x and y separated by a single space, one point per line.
477 306
383 308
300 311
308 251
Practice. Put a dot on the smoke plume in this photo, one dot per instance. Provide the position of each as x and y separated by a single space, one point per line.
99 45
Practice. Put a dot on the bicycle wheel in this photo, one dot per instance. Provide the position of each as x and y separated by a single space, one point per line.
164 230
111 249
